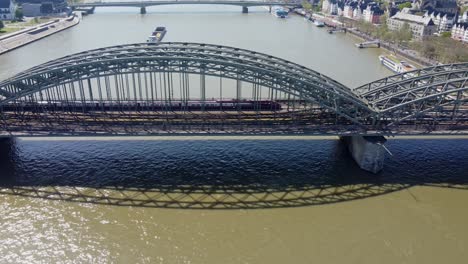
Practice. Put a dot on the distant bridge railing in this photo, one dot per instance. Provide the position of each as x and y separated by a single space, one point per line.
246 3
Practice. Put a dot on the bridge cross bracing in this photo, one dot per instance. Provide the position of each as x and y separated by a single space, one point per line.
180 88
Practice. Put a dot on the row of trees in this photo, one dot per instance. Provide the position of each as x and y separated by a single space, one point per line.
382 32
443 49
310 8
18 16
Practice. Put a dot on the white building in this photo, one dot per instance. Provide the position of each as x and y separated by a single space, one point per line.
463 18
326 6
442 21
348 11
372 14
460 32
7 10
357 13
420 26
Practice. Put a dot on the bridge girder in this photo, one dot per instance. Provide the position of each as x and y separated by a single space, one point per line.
246 3
193 58
414 94
427 98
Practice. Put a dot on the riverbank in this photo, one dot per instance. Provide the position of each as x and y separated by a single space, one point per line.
23 37
26 23
420 61
406 54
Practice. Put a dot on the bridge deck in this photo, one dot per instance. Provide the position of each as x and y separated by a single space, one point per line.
246 3
143 89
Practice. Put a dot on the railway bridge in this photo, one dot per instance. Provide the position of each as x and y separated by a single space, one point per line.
177 88
245 4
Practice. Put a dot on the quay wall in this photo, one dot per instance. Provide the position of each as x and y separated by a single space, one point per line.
24 37
386 46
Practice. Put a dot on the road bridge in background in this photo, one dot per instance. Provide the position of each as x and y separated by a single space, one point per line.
144 4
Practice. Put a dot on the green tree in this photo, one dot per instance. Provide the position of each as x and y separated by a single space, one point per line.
319 6
382 30
446 34
19 14
383 19
307 5
442 49
1 24
404 34
404 5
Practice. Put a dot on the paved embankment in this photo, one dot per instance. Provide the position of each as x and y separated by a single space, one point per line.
405 53
408 54
26 36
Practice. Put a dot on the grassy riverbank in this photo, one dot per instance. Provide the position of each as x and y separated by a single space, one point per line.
434 49
11 27
415 63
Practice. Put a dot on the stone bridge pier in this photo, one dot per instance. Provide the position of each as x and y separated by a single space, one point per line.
367 151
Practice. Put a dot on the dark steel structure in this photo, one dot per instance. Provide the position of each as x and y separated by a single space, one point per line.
433 99
185 88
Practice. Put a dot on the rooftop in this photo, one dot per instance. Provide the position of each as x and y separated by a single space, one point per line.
413 18
5 3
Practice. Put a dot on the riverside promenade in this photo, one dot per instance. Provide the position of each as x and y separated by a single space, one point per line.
26 36
393 48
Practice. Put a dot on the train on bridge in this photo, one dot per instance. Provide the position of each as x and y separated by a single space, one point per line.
143 106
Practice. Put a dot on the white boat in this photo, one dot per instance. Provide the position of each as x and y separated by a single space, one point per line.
279 12
157 35
319 23
396 65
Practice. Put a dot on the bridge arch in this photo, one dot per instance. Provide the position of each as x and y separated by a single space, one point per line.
192 58
432 95
418 102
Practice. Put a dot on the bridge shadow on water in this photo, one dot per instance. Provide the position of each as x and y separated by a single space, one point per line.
223 184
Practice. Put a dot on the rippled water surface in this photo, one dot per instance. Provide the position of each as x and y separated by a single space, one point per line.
209 200
226 200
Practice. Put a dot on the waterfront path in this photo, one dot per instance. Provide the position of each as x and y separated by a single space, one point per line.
407 53
18 39
399 50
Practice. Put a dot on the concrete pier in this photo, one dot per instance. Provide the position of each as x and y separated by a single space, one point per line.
143 10
367 151
245 10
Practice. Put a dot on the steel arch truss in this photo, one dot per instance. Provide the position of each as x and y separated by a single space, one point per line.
429 100
434 97
193 58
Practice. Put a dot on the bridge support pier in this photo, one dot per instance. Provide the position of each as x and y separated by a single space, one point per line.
367 151
245 10
143 10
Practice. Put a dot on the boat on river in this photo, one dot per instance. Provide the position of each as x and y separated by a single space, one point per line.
279 12
157 35
396 65
318 23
